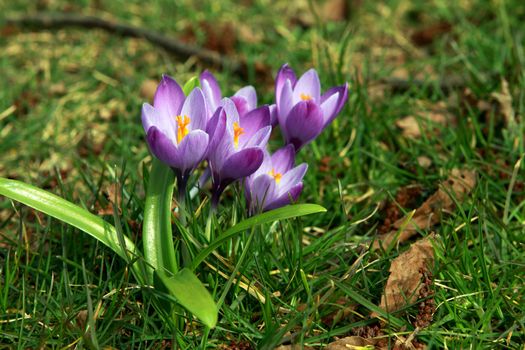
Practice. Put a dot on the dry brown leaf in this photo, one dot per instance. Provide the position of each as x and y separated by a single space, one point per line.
335 10
409 127
458 185
293 347
504 98
113 194
351 343
427 35
248 34
429 116
413 127
424 161
58 89
148 88
220 37
403 284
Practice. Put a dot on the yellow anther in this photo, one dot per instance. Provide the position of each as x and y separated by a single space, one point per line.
305 97
237 131
182 127
276 176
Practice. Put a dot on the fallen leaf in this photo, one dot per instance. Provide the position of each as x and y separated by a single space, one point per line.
405 280
58 89
429 116
409 127
335 10
414 126
248 34
114 197
458 185
220 37
235 345
406 198
352 343
504 99
426 36
424 161
148 88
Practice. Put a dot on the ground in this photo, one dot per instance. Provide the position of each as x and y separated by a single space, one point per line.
432 135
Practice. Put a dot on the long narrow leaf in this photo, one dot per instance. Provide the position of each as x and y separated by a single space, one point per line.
157 236
191 293
71 214
287 212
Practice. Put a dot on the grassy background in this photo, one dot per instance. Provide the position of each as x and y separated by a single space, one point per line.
76 131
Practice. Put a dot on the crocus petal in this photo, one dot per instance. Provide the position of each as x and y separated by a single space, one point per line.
152 117
273 115
168 98
303 124
249 95
266 166
216 127
260 138
195 108
292 177
331 109
232 115
163 148
309 86
283 159
254 121
241 164
211 90
285 73
241 105
284 105
218 155
192 150
291 195
261 190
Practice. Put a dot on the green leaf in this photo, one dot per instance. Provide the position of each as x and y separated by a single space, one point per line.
287 212
191 294
157 236
191 84
72 214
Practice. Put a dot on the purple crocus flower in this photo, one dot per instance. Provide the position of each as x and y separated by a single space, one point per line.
175 127
245 99
236 144
275 183
302 111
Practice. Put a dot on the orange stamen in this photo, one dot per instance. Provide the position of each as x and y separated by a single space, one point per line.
237 132
276 176
305 97
182 129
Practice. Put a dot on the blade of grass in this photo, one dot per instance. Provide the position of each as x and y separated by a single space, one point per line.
71 214
287 212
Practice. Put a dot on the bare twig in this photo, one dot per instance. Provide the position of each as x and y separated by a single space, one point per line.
237 66
54 21
398 85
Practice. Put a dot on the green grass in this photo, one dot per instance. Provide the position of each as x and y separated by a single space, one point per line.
59 288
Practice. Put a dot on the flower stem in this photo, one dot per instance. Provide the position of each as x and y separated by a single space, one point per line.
182 182
215 197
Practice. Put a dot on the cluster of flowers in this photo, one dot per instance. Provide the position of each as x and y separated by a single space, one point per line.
232 133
